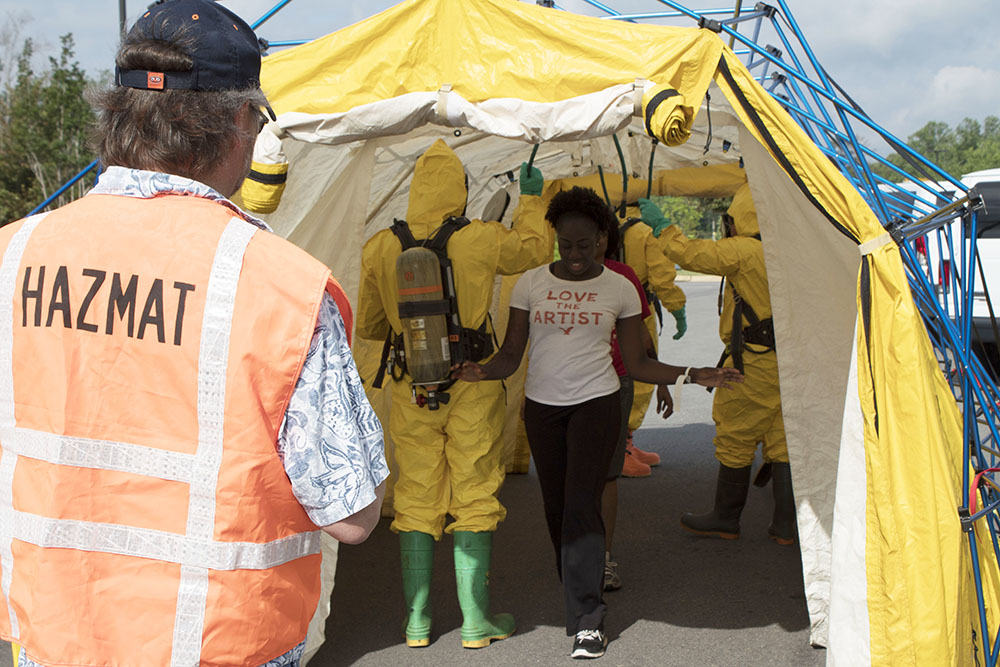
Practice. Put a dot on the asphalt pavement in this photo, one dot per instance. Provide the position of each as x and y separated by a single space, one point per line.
685 600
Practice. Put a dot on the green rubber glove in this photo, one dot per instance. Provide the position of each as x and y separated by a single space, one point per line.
653 216
680 318
531 184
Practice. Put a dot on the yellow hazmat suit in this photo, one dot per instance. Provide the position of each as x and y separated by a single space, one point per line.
449 459
643 253
749 412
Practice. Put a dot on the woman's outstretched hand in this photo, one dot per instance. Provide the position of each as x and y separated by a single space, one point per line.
716 377
664 401
469 371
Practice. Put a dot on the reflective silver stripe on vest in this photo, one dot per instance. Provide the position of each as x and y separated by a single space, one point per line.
160 545
220 300
8 460
101 454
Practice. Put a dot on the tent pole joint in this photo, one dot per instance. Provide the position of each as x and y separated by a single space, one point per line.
711 24
768 10
965 519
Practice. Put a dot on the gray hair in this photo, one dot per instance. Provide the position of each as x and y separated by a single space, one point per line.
182 132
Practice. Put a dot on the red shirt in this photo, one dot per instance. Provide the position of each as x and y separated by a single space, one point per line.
625 270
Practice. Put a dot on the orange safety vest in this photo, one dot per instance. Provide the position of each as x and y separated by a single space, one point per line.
148 350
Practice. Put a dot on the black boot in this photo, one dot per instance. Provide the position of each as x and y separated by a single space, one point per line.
730 497
782 528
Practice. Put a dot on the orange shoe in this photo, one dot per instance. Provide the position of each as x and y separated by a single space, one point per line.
649 458
634 467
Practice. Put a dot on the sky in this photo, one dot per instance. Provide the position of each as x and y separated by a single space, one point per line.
906 62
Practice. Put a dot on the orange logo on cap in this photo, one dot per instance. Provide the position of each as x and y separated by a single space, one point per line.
195 17
154 80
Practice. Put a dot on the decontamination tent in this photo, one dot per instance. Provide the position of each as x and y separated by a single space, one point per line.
873 431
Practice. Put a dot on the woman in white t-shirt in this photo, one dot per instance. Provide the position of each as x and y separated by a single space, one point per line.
572 411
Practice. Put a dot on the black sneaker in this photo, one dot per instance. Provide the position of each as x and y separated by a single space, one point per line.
589 644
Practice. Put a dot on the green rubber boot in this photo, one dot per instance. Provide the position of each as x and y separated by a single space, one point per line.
472 564
416 551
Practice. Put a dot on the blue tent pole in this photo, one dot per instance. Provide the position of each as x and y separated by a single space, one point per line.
602 7
807 114
953 285
274 10
64 188
863 118
795 93
805 45
793 84
829 88
873 195
289 42
985 637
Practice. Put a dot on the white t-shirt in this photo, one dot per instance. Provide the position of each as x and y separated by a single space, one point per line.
570 325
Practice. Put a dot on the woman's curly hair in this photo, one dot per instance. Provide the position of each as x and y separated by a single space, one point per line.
585 203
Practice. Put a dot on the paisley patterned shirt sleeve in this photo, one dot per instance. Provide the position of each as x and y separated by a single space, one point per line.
331 440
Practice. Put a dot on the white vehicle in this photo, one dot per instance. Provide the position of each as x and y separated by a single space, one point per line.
938 257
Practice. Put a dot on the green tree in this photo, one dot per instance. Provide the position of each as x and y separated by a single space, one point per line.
696 217
970 146
44 121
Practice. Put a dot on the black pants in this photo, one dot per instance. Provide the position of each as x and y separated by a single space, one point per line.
626 395
572 447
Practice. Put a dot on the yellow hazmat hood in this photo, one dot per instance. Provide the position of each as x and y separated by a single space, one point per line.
437 191
743 212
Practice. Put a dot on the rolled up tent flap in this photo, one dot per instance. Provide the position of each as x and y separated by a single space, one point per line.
262 189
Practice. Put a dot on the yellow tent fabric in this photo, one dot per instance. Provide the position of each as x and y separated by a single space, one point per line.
873 430
420 45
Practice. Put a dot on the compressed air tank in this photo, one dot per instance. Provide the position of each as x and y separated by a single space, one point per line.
425 337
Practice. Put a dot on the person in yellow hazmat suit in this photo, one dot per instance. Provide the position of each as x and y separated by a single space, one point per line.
449 451
751 412
641 251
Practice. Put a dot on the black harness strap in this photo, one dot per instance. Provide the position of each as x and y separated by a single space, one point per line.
403 233
425 308
625 226
758 332
383 363
464 344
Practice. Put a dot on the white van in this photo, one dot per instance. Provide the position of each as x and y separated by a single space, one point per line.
937 258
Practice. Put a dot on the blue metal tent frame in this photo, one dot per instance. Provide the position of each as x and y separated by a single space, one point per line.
938 210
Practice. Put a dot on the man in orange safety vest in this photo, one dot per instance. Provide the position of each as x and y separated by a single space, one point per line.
180 414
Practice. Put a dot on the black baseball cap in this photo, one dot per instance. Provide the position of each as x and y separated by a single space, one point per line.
224 49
